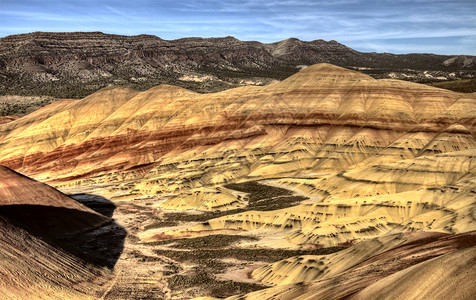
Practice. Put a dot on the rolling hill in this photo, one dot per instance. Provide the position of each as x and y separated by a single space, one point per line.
328 157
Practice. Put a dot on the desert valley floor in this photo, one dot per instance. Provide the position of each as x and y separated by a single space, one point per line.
327 185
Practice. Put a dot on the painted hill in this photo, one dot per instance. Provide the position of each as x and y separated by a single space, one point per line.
411 265
383 154
327 157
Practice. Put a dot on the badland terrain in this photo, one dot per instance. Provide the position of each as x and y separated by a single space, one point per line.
327 184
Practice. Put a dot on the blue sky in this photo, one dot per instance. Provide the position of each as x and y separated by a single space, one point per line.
398 26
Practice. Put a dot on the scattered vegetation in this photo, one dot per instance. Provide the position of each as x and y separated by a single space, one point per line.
216 288
268 255
19 106
205 255
461 86
263 197
258 191
260 197
146 258
278 72
161 224
208 263
74 89
208 242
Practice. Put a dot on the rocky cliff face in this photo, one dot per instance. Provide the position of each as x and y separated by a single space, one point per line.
76 64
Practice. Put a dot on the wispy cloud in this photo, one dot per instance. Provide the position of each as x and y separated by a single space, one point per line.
38 16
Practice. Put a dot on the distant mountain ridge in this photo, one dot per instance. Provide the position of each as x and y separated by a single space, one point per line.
76 64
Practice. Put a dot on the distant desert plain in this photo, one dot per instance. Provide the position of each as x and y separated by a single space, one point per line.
327 184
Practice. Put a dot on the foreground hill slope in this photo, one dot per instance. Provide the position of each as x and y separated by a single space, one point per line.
33 269
42 209
32 213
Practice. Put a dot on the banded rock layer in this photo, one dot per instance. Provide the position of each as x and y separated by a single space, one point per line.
410 265
381 154
385 162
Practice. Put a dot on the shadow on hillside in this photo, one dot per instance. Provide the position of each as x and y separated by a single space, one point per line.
102 246
64 228
97 203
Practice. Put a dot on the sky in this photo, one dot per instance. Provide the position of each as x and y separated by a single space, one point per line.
397 26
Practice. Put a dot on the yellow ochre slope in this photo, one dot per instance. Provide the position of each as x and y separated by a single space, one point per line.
381 164
326 130
381 154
